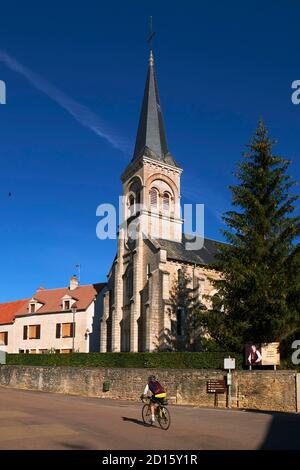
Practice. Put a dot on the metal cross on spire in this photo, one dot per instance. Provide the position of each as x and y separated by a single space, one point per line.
151 34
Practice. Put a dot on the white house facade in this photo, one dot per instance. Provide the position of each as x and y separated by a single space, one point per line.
60 320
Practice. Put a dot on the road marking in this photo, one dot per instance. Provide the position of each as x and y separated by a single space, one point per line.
8 433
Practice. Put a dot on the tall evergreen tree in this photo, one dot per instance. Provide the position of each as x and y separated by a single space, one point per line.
258 296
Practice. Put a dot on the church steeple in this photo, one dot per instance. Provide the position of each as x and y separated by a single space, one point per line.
151 139
151 181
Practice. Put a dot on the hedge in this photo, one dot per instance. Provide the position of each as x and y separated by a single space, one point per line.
165 360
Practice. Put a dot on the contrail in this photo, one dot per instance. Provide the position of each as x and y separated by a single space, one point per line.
79 112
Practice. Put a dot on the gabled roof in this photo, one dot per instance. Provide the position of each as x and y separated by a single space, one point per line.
9 309
178 251
52 298
151 139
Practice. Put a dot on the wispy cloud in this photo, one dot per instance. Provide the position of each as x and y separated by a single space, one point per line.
82 114
216 199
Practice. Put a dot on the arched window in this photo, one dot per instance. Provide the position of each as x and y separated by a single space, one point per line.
166 202
148 271
153 198
135 188
131 203
129 284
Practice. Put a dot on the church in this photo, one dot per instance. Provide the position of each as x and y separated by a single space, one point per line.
152 250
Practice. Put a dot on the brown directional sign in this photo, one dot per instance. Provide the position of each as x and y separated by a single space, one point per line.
216 386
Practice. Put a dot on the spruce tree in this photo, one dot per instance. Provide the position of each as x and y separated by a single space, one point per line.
258 296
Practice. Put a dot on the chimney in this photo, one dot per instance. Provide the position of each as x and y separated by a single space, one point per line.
73 282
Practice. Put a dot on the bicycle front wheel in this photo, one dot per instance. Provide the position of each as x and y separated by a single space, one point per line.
146 415
164 418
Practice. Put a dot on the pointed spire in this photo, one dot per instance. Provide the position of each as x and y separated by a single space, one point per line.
151 59
151 137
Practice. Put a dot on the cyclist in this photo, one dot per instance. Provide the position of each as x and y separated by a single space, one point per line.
158 394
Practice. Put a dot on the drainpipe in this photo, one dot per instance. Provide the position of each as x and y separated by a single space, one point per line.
74 310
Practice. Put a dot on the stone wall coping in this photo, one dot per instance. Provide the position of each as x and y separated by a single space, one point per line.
161 370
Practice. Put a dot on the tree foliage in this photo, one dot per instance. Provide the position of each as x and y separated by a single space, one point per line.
258 297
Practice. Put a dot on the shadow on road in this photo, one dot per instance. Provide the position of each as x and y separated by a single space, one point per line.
135 421
67 445
283 432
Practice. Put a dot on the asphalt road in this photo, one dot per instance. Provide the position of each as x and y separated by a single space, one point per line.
37 420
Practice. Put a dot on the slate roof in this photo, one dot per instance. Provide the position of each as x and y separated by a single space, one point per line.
151 139
178 251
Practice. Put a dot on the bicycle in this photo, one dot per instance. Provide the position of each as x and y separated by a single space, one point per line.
161 413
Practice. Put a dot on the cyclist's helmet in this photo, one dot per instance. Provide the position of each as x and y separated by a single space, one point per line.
151 378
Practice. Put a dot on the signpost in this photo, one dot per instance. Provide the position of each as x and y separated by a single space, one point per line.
216 386
229 364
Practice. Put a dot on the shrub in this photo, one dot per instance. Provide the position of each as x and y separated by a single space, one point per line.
157 360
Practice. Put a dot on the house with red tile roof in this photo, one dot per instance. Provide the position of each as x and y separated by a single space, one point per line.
59 320
7 318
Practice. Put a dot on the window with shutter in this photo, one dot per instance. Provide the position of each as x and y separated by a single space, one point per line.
153 197
3 338
34 332
25 332
166 202
68 330
58 330
32 308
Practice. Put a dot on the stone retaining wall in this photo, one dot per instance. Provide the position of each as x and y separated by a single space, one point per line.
263 390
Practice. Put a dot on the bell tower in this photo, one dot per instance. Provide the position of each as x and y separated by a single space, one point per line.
151 210
151 182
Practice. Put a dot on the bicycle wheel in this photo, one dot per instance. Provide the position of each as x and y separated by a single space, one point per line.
146 415
164 418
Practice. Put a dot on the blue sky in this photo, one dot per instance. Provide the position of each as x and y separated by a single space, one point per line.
220 66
